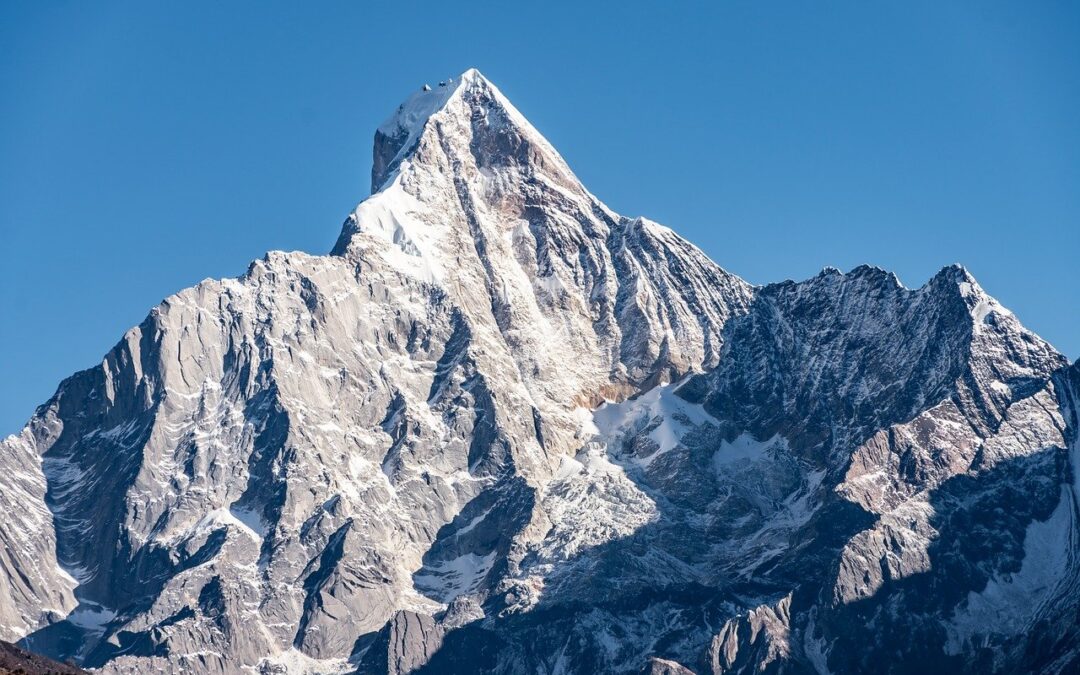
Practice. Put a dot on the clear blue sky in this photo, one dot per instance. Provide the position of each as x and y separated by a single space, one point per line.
146 146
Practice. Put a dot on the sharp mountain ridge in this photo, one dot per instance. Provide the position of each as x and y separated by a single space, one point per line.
502 428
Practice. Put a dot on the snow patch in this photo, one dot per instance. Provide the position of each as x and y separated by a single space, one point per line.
1010 602
670 417
985 307
410 245
295 662
747 448
250 521
234 518
448 579
91 617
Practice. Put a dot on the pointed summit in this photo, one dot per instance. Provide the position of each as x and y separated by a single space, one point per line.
413 113
469 197
455 148
467 113
400 132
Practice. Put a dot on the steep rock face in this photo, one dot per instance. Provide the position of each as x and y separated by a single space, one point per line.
405 644
270 468
33 588
755 641
476 200
503 429
936 423
864 455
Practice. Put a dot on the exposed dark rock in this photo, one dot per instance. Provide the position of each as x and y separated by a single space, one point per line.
15 661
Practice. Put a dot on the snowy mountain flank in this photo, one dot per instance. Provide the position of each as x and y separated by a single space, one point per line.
503 429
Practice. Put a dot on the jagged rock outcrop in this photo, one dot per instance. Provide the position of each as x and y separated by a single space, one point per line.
870 454
502 428
404 645
756 640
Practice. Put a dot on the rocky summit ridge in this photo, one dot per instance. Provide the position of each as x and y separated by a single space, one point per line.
502 428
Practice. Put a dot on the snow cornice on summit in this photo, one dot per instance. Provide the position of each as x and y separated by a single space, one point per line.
402 129
464 96
460 147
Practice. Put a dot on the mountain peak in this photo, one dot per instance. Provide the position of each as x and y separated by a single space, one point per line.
506 429
415 110
462 146
461 97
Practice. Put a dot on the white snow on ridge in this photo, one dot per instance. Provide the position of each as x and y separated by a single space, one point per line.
414 112
411 116
410 244
984 305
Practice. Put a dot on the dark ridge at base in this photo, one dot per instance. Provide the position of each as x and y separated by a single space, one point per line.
15 661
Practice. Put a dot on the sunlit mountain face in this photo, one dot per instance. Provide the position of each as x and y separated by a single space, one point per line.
501 428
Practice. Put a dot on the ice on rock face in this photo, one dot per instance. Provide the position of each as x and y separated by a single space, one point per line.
502 428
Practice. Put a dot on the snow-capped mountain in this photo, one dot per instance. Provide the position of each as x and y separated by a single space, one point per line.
501 428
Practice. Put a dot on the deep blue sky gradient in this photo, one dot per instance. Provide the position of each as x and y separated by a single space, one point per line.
145 146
